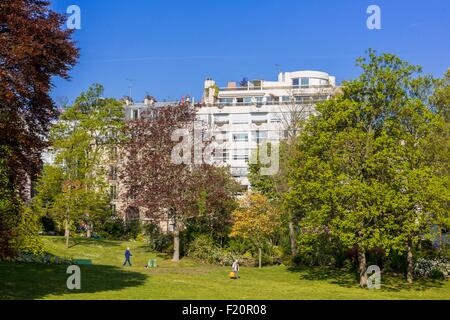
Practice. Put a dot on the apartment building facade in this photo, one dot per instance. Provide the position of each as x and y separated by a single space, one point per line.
247 114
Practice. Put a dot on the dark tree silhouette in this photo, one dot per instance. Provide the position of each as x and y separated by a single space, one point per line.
33 49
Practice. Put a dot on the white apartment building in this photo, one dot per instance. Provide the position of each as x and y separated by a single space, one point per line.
246 114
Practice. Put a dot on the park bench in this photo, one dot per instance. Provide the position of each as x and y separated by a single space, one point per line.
83 262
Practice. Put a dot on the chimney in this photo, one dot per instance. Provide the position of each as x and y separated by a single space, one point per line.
149 100
128 101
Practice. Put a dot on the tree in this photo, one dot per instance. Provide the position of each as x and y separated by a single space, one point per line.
75 187
216 201
256 219
361 163
168 190
33 50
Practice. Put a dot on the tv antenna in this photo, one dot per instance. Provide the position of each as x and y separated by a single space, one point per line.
130 86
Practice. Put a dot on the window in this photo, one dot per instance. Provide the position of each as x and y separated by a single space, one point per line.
114 153
239 172
276 118
113 209
248 101
240 118
240 101
221 118
221 155
240 137
261 136
272 99
113 192
240 154
260 118
304 82
220 136
226 101
113 173
286 99
259 101
135 114
296 82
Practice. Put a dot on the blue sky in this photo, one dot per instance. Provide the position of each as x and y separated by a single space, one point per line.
168 47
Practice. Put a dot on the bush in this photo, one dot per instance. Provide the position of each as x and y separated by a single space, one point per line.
27 239
48 224
117 229
204 249
157 240
432 268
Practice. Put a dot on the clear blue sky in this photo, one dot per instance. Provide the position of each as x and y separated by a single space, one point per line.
168 47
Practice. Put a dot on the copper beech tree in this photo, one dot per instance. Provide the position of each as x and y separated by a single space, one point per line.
33 49
164 189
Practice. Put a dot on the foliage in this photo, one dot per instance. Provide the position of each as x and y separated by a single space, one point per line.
34 48
75 187
255 219
158 241
115 228
216 90
204 249
368 168
432 268
28 240
185 194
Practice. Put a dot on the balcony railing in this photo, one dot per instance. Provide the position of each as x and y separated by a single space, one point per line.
261 88
305 101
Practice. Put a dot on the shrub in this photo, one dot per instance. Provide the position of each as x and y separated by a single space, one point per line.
432 268
48 224
132 229
204 249
157 240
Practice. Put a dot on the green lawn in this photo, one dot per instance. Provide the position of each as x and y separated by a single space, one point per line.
107 279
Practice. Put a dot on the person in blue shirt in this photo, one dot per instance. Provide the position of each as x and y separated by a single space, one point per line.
127 257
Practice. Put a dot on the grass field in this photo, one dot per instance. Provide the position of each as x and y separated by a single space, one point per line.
107 279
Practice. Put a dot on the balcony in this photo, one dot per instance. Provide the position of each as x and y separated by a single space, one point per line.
307 100
262 88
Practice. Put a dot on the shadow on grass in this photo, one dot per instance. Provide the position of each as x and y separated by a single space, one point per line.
21 281
349 279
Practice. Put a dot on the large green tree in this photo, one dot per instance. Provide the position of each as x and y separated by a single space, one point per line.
365 170
75 187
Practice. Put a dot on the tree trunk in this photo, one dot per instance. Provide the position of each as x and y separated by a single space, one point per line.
89 230
176 243
260 258
293 238
67 232
362 268
440 239
409 258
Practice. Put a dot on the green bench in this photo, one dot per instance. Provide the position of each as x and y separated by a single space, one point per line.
83 262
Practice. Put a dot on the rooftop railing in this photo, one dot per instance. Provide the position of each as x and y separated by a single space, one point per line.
260 88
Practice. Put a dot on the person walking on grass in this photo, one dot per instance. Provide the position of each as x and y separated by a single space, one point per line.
235 269
127 257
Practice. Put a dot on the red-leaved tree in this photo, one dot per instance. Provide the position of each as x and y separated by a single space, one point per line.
33 49
165 189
